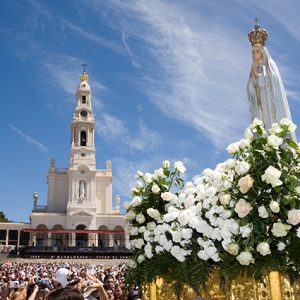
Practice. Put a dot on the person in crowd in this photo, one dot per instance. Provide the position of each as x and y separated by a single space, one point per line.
41 281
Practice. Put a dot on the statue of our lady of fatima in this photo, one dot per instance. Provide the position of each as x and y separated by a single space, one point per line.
266 93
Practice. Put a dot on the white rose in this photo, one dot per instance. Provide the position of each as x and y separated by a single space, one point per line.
245 231
245 183
130 215
290 125
274 141
272 176
281 246
153 213
126 204
176 236
140 218
224 199
139 185
242 167
294 217
243 144
245 258
134 231
148 177
274 206
179 166
155 189
159 173
135 190
263 248
233 148
151 226
166 164
136 201
167 196
275 129
248 135
256 122
229 163
279 229
132 264
140 258
233 249
242 208
148 250
139 174
298 190
142 229
137 243
262 212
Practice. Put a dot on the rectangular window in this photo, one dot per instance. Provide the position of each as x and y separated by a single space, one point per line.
83 99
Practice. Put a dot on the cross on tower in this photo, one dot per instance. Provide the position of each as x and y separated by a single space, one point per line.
256 25
84 65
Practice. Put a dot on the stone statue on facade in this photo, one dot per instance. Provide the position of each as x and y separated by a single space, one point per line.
108 165
118 200
35 198
266 93
82 189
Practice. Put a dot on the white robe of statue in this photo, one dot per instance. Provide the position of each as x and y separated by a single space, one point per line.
266 93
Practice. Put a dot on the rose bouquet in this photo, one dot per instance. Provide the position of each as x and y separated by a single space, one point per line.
243 215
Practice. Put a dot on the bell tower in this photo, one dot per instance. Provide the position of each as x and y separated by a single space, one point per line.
82 173
83 127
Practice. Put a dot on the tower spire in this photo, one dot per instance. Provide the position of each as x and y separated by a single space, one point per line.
84 76
83 65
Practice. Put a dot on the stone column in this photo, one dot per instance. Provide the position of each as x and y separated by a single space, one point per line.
49 236
6 239
18 242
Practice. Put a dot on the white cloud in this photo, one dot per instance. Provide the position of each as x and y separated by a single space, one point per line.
63 72
92 37
29 139
145 138
200 69
116 132
134 61
110 127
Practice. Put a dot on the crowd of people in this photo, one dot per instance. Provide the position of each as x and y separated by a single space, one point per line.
63 281
6 250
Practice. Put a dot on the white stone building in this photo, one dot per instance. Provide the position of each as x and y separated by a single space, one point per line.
79 210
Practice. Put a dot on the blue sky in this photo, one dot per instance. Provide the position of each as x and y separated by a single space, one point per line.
168 81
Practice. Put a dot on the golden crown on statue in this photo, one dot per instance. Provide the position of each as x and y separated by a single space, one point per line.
258 35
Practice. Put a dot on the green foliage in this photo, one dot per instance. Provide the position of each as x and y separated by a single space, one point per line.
3 217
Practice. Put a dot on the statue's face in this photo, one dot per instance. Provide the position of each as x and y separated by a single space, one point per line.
256 53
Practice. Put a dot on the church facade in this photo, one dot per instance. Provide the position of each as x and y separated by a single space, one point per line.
79 210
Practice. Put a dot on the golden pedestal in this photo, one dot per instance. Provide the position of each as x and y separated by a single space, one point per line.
273 287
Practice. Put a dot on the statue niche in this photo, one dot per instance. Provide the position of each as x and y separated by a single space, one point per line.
82 189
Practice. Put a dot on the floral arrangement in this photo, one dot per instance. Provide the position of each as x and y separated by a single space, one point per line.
242 216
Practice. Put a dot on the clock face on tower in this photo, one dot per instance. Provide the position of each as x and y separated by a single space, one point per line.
83 113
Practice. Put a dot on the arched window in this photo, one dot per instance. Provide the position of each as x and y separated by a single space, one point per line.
81 238
83 99
41 237
83 138
57 239
119 238
103 238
